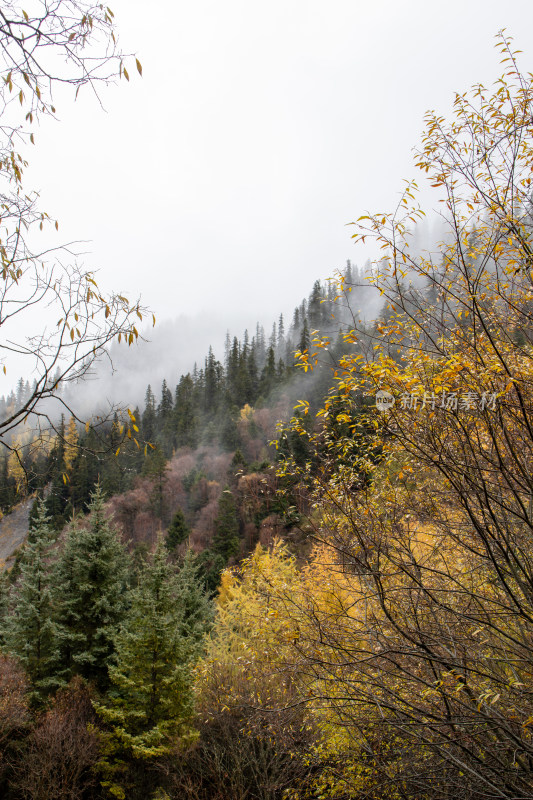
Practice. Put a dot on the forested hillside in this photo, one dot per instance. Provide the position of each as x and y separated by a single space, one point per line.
303 570
213 432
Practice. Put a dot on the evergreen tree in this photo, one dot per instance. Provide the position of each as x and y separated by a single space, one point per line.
281 331
178 531
90 583
165 407
34 513
150 704
315 307
210 566
305 338
165 421
226 539
7 487
196 611
4 604
184 413
57 502
296 319
227 348
268 376
229 432
253 383
29 629
212 377
260 344
155 467
149 416
272 342
232 372
348 275
86 471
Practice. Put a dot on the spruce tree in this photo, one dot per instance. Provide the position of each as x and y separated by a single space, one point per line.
226 539
268 376
149 416
29 628
155 467
315 307
4 604
305 338
195 610
91 579
58 497
150 703
178 531
184 413
210 566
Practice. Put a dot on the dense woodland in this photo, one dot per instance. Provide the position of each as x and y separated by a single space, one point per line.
215 427
264 584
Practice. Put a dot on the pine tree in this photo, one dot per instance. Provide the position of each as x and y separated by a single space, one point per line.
29 629
59 495
272 342
253 382
90 581
296 320
305 338
196 611
210 566
212 377
268 376
229 432
184 413
226 539
149 416
165 407
281 331
260 344
178 531
4 604
155 467
150 705
85 472
7 487
315 307
165 421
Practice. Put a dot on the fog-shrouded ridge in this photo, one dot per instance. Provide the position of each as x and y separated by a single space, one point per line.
172 348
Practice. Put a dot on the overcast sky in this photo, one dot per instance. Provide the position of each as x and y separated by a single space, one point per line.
223 180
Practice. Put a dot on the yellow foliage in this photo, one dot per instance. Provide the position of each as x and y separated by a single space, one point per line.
247 412
71 445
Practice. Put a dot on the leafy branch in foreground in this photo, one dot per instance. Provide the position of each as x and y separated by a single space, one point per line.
54 320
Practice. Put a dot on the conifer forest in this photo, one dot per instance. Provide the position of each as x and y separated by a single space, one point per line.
303 569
